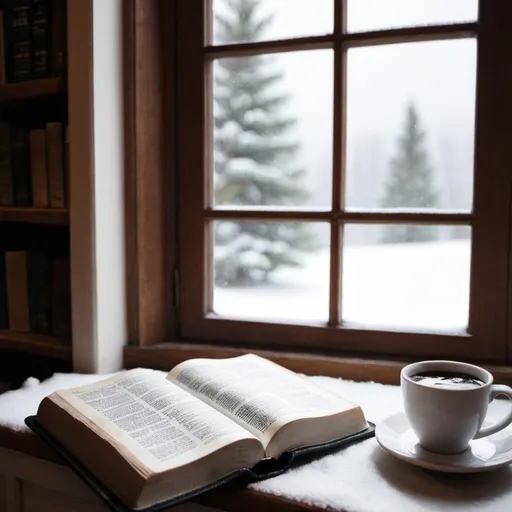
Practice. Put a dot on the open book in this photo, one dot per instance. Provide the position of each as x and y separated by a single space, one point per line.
150 439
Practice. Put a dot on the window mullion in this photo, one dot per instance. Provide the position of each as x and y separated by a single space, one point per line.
191 118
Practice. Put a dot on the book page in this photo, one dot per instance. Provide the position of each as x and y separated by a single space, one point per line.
256 393
157 421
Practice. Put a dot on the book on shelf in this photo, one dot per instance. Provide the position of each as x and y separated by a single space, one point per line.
145 441
41 38
20 159
6 177
18 36
4 319
34 39
3 77
61 298
35 292
59 43
17 290
39 270
66 164
39 168
55 152
33 165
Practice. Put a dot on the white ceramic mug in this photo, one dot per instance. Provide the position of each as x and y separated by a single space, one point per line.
446 419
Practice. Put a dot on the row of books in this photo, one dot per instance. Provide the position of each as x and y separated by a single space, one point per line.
33 39
34 166
35 293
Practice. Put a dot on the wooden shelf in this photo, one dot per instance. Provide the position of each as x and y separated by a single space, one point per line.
54 216
32 89
38 344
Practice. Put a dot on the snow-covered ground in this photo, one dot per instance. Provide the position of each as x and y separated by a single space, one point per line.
420 285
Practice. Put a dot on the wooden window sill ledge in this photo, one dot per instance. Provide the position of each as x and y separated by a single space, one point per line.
227 499
165 356
365 465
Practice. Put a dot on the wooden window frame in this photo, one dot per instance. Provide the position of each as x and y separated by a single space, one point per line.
168 235
150 181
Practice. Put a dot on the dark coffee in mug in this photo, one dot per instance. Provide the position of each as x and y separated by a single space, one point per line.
446 404
447 380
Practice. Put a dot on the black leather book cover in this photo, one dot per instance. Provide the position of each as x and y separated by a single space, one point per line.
265 469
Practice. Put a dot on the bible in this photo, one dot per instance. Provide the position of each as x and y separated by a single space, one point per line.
146 441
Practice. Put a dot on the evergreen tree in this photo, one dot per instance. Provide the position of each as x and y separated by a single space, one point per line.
252 156
410 182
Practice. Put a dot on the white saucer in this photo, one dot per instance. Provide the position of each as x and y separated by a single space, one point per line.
395 435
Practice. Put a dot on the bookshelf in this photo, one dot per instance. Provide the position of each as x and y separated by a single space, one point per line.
85 90
49 216
32 89
34 174
36 344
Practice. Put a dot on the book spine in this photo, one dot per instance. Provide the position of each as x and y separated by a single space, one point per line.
59 37
61 298
39 292
55 152
17 290
66 165
21 166
4 318
6 176
41 38
20 47
38 168
3 77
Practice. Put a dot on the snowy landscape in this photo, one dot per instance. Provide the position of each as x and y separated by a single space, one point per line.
421 286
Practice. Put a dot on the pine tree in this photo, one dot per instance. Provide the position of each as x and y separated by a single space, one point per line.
410 182
252 157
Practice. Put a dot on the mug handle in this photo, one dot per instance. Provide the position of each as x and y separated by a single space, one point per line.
502 423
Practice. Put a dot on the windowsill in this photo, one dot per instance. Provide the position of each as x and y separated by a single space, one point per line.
165 356
340 480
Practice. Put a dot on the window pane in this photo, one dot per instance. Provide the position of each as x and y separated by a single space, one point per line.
410 125
366 15
240 21
273 130
404 276
271 270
